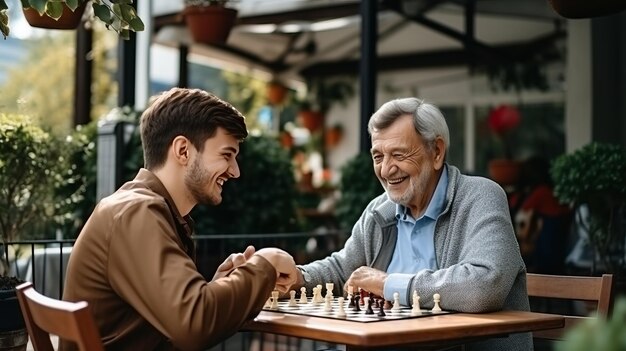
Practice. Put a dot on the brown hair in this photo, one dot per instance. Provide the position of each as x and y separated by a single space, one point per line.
192 113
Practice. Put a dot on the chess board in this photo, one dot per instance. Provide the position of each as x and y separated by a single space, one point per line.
317 310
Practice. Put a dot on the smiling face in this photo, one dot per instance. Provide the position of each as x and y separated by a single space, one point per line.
212 167
406 167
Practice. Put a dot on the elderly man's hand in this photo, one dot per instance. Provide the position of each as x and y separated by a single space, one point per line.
233 261
368 279
286 271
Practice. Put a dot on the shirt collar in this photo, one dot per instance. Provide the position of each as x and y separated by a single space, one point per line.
437 203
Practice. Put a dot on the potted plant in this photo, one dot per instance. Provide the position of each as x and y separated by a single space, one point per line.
209 21
358 186
29 168
119 16
595 176
501 120
598 333
321 95
333 135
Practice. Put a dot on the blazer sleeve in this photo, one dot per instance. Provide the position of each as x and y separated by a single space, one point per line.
149 270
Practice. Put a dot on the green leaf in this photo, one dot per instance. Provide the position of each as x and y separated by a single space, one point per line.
4 23
54 10
72 4
136 24
39 5
103 13
127 12
125 34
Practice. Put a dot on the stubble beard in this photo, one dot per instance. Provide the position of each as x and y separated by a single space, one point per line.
196 181
417 186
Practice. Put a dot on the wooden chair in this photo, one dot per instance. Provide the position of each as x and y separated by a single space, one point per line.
69 320
594 289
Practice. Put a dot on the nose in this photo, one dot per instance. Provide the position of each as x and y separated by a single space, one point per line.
387 167
233 169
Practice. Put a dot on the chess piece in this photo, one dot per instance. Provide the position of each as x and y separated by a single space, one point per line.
416 304
437 299
319 297
350 297
369 310
341 312
292 299
396 302
329 289
328 307
268 303
357 306
381 312
303 298
274 305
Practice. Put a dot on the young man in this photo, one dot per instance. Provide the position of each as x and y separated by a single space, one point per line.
134 260
434 230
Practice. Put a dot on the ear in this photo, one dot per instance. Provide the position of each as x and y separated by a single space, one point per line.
181 149
440 153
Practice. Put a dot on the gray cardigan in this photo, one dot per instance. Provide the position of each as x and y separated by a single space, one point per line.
480 268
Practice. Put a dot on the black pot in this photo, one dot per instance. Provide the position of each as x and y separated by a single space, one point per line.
11 314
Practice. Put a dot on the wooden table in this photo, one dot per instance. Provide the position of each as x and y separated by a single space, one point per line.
442 330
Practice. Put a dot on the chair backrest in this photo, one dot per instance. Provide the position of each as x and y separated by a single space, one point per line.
594 289
69 320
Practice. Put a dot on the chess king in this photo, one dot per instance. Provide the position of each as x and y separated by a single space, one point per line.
433 230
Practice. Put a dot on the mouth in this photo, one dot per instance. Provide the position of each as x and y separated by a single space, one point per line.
221 181
396 180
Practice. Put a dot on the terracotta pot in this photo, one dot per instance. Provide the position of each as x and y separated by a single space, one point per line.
333 137
311 120
504 172
276 93
68 20
286 140
587 8
210 24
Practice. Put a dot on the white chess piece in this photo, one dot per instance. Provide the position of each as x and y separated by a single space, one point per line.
268 303
303 298
292 299
319 297
329 289
274 305
341 312
328 306
316 295
396 302
437 299
416 304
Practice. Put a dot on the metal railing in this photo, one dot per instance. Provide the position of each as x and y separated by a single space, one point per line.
43 262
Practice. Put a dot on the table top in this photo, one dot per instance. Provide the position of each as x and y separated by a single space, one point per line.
434 330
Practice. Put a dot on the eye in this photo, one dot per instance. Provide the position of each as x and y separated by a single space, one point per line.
398 156
377 158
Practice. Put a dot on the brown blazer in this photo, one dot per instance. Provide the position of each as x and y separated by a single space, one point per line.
133 263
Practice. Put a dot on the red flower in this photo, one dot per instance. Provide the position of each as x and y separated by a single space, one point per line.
503 118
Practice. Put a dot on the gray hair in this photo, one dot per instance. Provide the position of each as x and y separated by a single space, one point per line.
428 120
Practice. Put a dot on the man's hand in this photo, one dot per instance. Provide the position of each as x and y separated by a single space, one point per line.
233 261
286 271
368 279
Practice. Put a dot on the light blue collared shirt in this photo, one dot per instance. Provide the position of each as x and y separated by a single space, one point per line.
415 245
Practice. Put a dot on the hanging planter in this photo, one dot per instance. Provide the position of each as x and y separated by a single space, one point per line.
587 8
311 120
209 24
276 93
69 19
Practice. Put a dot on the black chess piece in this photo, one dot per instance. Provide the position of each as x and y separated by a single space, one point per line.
357 306
351 303
381 312
369 310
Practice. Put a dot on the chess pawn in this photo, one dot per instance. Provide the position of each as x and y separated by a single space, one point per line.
328 307
437 299
341 312
416 304
396 302
303 298
274 305
292 299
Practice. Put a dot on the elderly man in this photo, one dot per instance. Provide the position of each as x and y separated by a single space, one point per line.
434 230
